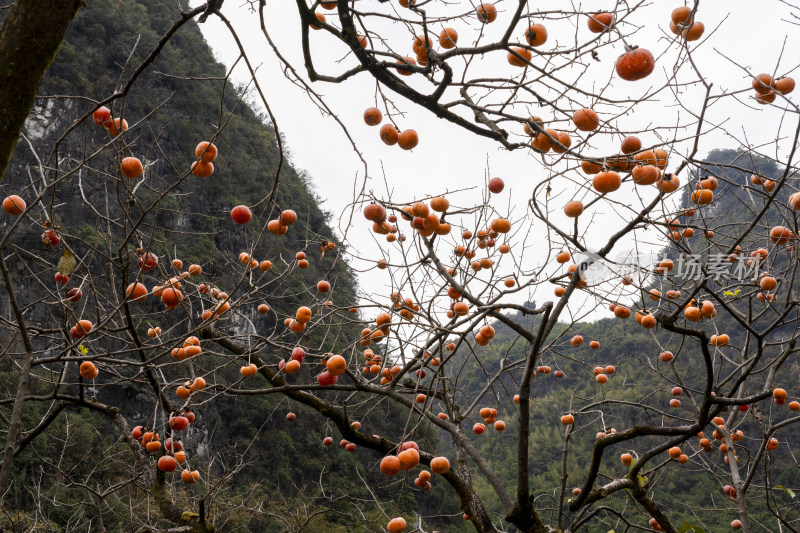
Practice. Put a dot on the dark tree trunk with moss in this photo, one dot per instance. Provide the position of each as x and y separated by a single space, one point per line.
29 40
195 522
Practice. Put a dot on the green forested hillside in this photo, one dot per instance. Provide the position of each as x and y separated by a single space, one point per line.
263 472
690 493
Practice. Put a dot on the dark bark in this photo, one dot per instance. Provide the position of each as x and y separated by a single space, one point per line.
29 40
195 521
471 503
523 515
640 495
15 421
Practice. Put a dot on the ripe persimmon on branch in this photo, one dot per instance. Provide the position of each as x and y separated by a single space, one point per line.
173 294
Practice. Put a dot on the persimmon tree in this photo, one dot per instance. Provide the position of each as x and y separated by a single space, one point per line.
718 303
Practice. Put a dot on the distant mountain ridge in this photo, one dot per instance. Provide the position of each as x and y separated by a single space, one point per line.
630 348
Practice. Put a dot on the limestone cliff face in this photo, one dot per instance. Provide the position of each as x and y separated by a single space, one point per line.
47 118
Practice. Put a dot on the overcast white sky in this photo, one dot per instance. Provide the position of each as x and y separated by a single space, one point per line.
449 158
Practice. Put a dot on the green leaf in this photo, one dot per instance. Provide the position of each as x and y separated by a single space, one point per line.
790 492
84 350
642 480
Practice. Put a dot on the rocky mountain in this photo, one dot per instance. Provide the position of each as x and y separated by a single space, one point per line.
264 472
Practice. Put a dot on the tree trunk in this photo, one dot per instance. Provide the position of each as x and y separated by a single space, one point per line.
15 423
29 40
470 503
15 420
196 522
